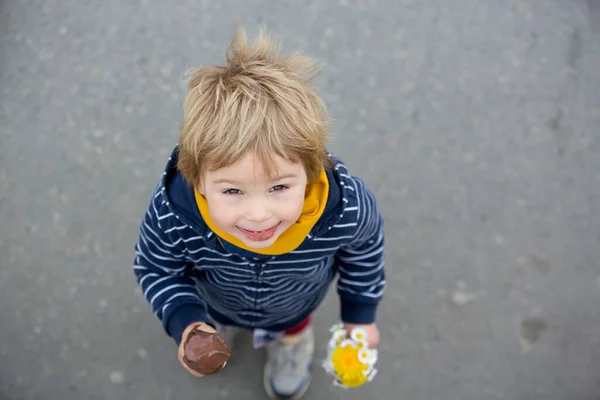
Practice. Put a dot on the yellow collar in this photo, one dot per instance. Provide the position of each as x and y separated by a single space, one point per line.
315 199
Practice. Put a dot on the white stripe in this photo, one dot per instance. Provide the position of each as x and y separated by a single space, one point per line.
340 165
207 249
191 238
364 273
354 182
345 225
170 299
146 226
164 278
155 214
161 217
360 251
359 283
162 312
141 282
332 238
175 228
220 260
169 288
365 294
349 260
139 252
146 238
326 249
369 265
295 261
175 260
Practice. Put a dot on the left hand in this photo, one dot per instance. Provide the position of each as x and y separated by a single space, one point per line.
370 329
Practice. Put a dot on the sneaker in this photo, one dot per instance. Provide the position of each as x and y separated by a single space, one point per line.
229 333
287 372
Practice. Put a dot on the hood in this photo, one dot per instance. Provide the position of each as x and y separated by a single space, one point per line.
181 200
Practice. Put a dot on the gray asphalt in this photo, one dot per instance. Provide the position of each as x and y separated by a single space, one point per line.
476 123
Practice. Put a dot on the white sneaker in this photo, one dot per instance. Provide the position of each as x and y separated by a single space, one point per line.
287 373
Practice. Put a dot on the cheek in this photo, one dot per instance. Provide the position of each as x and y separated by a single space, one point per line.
294 205
222 213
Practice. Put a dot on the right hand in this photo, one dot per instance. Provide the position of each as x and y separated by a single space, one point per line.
180 352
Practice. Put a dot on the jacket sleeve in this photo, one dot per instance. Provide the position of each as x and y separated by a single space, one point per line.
163 274
361 262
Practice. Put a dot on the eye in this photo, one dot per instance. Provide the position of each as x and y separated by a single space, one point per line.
278 188
232 191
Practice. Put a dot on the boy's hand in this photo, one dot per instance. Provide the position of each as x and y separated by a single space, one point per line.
370 329
181 351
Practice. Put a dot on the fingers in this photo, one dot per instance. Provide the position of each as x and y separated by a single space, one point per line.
373 338
373 343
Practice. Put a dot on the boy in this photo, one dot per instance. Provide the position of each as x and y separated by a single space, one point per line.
253 219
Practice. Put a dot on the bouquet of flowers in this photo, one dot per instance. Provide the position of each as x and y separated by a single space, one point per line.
349 359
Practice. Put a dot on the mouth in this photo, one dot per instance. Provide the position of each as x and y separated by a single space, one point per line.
259 236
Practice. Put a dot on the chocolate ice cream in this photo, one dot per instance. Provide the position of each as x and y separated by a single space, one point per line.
205 352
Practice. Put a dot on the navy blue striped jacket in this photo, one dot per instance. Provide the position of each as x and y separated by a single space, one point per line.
187 275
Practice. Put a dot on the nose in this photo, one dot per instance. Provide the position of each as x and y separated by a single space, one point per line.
258 212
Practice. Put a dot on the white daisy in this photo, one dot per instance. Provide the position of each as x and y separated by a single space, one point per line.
359 334
333 343
339 335
336 327
365 356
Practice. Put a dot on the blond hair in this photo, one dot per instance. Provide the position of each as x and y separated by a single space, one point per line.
260 101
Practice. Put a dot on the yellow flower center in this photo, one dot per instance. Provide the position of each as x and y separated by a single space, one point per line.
348 361
348 367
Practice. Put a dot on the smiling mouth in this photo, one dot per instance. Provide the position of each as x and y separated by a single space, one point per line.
259 236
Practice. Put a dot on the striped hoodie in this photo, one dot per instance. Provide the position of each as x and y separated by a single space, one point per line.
187 274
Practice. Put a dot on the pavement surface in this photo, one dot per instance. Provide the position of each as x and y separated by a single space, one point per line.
476 123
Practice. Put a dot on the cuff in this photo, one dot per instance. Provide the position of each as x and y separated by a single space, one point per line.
358 313
183 317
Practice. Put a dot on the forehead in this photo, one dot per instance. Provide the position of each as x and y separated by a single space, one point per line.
250 169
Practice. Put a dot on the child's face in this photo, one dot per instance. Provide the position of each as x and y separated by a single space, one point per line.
243 202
